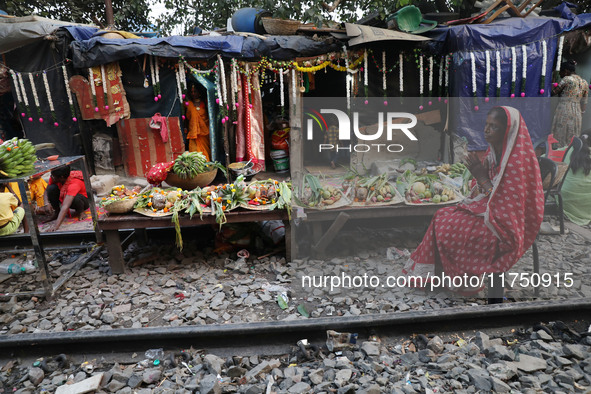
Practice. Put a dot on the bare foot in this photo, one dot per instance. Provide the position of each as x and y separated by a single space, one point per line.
332 165
51 219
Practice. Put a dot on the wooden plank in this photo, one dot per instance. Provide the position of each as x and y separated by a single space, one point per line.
116 261
331 233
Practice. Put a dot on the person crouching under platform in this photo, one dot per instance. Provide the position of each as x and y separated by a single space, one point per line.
66 190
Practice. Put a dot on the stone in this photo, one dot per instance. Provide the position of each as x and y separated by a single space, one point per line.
436 345
498 386
263 367
427 356
498 352
316 376
480 379
482 340
530 364
213 364
576 351
210 385
342 377
108 317
543 335
370 348
151 375
300 387
36 375
235 372
115 386
134 381
85 386
502 370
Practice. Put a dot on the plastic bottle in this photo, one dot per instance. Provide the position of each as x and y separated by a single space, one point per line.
29 266
11 268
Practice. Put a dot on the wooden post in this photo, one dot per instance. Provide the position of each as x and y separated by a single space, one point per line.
296 151
109 13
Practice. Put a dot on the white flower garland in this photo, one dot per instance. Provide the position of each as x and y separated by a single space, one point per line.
430 75
498 58
473 68
513 70
544 57
234 82
68 91
92 88
25 98
487 78
447 74
104 83
218 91
247 72
384 72
523 69
48 91
16 86
401 72
281 89
348 79
559 59
183 75
157 76
421 88
178 84
365 75
35 96
293 86
152 72
223 78
440 79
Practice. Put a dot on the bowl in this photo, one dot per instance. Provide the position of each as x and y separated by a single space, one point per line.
241 168
52 158
121 206
199 180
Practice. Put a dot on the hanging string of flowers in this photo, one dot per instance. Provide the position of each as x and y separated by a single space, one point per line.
158 91
248 91
365 76
49 99
35 96
183 77
92 88
69 93
559 58
430 78
498 58
17 89
523 69
153 77
421 87
180 93
234 82
513 70
25 98
225 106
447 64
473 68
281 92
544 61
384 84
487 78
348 78
401 72
293 88
104 83
440 78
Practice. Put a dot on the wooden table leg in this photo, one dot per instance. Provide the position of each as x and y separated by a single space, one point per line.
288 243
116 261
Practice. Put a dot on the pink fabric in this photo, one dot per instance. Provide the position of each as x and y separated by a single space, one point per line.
157 118
489 233
250 140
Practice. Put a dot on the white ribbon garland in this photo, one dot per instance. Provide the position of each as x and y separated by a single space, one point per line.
544 57
401 63
430 74
25 98
34 90
498 58
487 55
384 70
559 59
473 65
16 86
281 88
421 74
67 84
365 68
524 65
48 91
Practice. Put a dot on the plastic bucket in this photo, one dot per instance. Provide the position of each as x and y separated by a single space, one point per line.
280 160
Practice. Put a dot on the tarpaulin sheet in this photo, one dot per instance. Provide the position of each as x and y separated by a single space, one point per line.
287 47
18 32
500 36
100 50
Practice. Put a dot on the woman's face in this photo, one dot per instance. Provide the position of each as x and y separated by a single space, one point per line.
494 130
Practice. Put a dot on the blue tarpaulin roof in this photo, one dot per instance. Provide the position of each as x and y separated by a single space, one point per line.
502 37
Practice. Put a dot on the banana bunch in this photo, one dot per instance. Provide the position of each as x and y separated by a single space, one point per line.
449 193
457 169
17 156
189 164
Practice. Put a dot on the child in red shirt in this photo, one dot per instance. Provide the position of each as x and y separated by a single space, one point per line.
66 190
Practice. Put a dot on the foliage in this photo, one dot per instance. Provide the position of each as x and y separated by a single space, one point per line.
130 15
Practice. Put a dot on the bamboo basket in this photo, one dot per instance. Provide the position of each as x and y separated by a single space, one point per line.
121 206
199 180
280 27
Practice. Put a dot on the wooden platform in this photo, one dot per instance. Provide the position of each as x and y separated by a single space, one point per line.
111 224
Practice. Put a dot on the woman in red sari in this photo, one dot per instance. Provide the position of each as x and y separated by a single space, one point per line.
492 229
